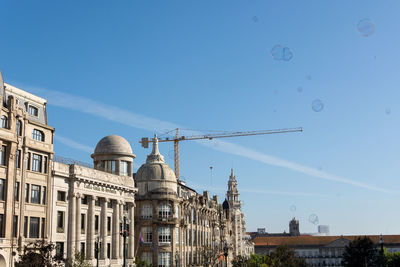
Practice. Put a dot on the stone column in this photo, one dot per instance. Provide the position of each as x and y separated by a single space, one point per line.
90 230
131 240
71 224
78 222
103 228
115 231
121 240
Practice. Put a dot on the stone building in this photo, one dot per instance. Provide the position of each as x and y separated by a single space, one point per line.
241 243
176 226
26 142
91 207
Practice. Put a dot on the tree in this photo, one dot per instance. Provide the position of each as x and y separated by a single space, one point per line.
360 252
39 254
78 260
141 263
284 256
239 261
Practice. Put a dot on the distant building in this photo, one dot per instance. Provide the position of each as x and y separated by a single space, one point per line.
323 229
319 250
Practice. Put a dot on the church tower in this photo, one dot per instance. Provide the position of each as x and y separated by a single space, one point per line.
294 229
233 192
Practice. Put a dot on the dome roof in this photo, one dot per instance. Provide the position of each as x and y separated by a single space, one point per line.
155 167
113 144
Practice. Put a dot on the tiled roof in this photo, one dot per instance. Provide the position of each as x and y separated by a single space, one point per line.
306 240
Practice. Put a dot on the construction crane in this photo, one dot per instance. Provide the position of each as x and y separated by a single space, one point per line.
177 138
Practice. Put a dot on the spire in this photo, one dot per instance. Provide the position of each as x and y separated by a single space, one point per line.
155 155
232 177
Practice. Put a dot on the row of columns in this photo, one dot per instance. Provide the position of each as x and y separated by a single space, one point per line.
74 228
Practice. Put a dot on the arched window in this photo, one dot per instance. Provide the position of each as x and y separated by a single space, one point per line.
19 128
37 135
4 121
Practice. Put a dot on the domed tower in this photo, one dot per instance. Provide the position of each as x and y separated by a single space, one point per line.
113 154
155 176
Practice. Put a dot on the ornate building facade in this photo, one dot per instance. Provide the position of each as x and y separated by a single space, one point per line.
176 226
92 207
26 142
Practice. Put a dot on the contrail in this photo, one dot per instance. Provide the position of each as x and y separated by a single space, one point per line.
116 114
73 144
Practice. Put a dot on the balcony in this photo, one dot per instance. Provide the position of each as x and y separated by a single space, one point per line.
168 220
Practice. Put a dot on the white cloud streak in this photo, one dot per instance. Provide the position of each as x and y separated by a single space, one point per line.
143 122
73 144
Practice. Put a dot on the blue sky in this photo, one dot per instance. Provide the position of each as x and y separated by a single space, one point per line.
135 67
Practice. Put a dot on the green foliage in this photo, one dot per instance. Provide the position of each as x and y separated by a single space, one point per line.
282 256
141 263
79 260
39 254
361 252
239 261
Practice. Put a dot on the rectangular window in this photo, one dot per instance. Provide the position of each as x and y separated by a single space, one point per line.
109 166
108 250
84 200
26 226
28 161
164 259
83 223
42 228
164 211
1 225
3 155
164 235
34 227
60 222
61 196
97 202
108 225
35 194
27 193
33 111
15 226
2 184
18 159
45 165
83 249
60 249
124 168
44 195
147 257
96 223
147 234
37 163
176 211
177 235
147 211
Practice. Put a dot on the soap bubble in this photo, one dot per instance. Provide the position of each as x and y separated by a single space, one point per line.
366 27
255 19
293 208
276 52
287 54
388 111
313 218
308 77
299 89
317 105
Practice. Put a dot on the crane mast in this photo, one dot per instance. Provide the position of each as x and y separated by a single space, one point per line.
177 138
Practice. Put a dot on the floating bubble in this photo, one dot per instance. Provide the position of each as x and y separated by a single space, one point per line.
313 218
276 92
366 27
317 105
293 208
287 54
308 77
299 89
255 19
388 111
279 52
